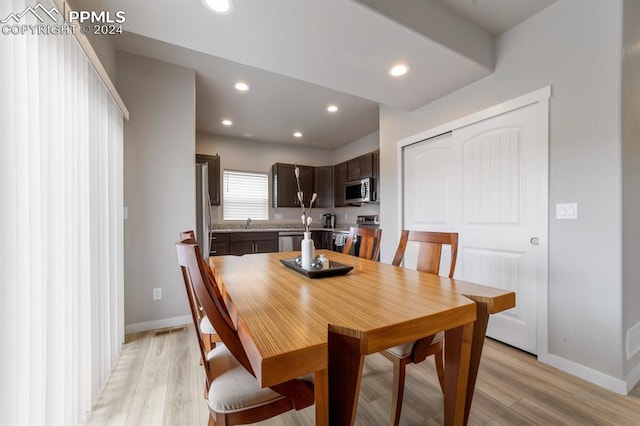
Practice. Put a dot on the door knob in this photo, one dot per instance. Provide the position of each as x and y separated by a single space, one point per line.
535 241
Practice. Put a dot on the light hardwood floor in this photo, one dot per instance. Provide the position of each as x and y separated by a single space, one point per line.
158 381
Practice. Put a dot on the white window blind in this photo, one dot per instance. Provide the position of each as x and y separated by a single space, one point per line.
246 195
61 233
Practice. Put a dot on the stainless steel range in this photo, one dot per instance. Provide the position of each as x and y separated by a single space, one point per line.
368 221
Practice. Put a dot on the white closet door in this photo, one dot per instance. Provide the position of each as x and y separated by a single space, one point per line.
502 217
431 192
483 181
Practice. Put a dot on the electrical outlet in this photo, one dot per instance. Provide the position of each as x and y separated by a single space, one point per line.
157 294
278 216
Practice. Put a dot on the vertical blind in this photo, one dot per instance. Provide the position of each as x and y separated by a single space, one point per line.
246 195
61 265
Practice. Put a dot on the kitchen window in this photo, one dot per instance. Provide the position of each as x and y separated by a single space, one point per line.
245 195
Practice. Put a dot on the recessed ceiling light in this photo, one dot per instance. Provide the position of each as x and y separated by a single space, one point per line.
398 70
227 122
221 7
332 108
298 134
242 86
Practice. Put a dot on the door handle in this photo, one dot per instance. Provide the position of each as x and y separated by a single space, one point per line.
534 241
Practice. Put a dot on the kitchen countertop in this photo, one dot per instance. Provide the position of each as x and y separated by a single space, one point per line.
292 229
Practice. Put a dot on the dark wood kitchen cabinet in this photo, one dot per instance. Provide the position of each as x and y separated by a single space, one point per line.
219 243
339 179
322 239
376 174
213 163
284 185
360 167
324 186
252 242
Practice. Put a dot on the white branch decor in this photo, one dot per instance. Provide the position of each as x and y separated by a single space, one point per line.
306 215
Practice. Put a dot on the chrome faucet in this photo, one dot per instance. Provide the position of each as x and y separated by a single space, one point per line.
247 223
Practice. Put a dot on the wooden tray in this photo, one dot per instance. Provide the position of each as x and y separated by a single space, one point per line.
335 268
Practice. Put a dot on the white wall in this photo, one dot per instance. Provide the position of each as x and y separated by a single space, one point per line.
574 45
257 156
631 174
159 185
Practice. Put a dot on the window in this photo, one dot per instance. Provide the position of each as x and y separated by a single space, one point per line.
61 262
246 194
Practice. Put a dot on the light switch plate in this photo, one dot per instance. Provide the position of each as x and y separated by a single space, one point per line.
566 211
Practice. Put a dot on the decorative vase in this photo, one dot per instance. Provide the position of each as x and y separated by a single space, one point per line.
308 251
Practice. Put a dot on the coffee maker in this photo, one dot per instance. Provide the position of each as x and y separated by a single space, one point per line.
329 220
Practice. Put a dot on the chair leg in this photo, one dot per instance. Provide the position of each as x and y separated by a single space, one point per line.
440 368
399 373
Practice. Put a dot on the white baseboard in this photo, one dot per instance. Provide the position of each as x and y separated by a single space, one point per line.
596 377
153 325
633 378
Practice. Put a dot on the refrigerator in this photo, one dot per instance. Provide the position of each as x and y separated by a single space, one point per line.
203 208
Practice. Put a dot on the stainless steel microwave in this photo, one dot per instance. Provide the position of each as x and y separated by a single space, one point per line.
359 191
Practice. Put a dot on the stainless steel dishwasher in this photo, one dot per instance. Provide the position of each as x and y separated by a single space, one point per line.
289 240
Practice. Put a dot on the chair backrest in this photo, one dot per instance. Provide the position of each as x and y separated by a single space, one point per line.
369 242
430 249
197 312
196 309
187 234
208 294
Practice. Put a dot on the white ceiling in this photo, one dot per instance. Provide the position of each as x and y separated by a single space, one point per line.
300 55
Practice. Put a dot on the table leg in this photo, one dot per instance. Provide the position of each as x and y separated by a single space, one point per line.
321 386
457 354
479 332
345 373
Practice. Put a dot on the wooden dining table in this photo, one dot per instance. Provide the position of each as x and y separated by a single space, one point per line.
291 325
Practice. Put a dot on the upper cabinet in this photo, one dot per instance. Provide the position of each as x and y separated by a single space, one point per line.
339 179
213 163
376 173
285 188
360 167
324 186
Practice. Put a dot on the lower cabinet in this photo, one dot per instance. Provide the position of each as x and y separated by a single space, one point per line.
218 244
252 242
322 239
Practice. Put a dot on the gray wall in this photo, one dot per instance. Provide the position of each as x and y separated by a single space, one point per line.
103 45
631 172
159 183
575 46
257 156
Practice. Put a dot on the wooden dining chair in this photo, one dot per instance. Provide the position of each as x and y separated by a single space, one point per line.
429 255
235 396
200 320
197 314
369 242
